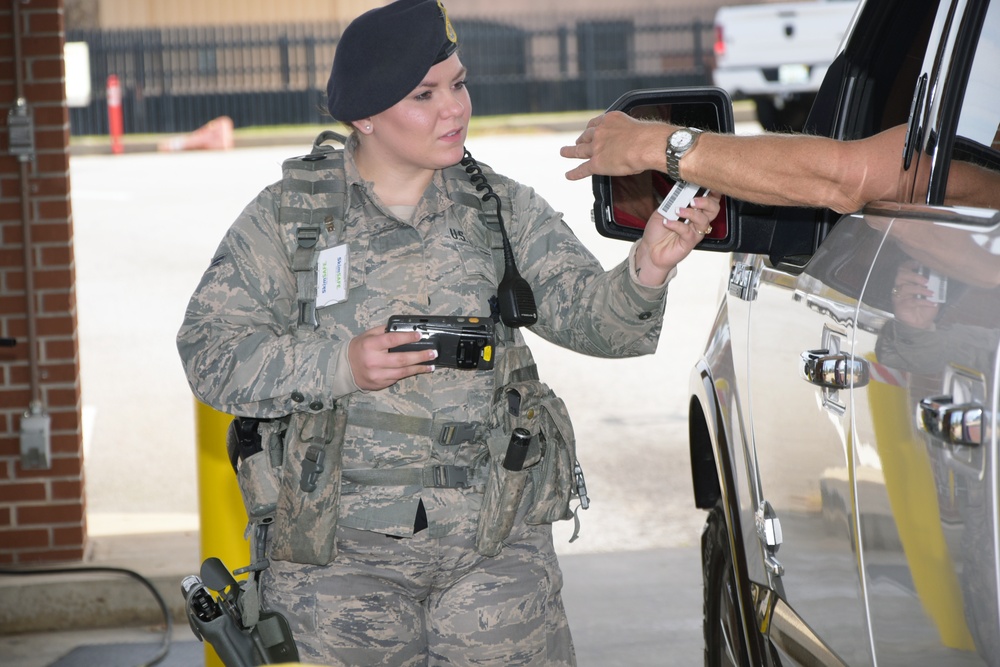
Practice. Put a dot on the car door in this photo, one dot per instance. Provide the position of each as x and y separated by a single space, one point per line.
924 426
804 319
802 322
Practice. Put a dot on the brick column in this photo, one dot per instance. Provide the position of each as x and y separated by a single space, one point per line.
42 511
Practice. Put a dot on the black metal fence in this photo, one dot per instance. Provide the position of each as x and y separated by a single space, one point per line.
175 80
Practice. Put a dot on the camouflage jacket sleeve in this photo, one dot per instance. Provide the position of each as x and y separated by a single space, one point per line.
580 305
237 345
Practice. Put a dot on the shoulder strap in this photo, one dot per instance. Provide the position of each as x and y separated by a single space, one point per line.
461 193
313 196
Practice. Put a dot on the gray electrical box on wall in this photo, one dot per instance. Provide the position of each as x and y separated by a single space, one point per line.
21 124
36 441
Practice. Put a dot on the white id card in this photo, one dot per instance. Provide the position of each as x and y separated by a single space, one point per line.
331 276
680 196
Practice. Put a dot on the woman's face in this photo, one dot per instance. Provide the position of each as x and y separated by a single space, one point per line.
427 128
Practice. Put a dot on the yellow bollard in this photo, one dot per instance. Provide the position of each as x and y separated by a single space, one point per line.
223 517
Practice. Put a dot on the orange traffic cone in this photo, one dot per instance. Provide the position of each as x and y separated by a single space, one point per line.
214 135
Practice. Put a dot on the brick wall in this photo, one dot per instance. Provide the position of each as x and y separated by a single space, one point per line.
42 515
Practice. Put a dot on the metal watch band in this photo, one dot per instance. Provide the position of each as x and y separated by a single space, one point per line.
674 156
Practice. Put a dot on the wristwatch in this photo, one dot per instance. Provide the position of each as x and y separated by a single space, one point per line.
680 142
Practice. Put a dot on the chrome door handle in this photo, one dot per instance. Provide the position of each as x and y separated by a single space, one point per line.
741 281
954 424
833 371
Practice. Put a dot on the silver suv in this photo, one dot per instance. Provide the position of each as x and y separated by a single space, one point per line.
843 427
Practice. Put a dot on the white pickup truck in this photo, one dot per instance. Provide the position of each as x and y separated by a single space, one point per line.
777 54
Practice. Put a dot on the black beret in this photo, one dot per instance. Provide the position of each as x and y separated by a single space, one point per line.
384 54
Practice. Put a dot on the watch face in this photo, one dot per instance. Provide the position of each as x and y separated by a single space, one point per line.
680 139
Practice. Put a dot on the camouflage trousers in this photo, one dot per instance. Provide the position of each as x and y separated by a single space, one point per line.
427 601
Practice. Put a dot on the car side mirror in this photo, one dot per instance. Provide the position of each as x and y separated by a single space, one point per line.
623 204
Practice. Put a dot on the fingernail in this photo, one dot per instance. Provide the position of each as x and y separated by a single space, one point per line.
434 354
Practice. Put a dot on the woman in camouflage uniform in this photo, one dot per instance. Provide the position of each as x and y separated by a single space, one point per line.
411 575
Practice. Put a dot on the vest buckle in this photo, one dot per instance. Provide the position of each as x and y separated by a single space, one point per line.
453 433
312 466
450 477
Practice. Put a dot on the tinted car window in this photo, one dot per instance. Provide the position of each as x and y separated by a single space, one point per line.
881 68
980 115
977 140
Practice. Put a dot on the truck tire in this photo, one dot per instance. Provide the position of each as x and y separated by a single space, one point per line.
725 645
978 582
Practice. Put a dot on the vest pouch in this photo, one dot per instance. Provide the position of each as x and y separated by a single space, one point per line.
501 501
552 483
532 405
305 526
259 475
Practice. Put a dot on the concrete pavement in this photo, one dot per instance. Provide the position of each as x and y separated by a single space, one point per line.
626 609
145 225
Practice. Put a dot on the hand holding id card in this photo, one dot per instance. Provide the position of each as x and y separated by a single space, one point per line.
680 196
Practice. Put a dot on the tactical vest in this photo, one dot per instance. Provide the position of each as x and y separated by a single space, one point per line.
311 200
313 197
